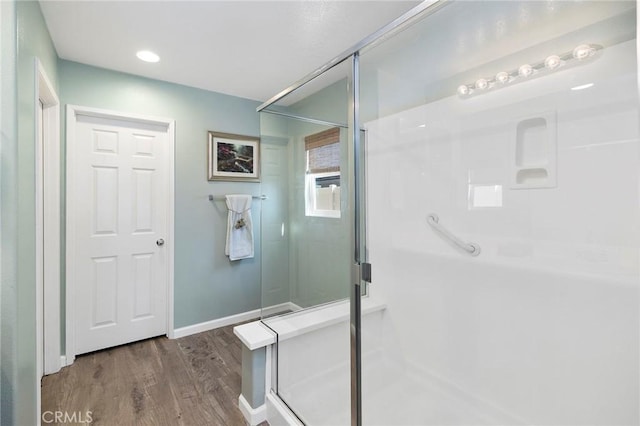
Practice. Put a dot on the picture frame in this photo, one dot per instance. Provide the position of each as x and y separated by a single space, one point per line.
233 157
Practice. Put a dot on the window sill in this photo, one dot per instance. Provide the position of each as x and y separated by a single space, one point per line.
335 214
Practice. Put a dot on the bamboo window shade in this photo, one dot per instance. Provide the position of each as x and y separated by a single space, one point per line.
323 151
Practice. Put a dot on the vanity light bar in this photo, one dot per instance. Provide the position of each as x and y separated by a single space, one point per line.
528 71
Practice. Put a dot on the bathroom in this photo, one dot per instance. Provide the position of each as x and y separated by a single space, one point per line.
446 220
490 198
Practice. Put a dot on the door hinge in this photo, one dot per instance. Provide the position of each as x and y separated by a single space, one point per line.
365 271
361 272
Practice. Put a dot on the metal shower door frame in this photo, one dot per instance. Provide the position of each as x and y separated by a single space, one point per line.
356 193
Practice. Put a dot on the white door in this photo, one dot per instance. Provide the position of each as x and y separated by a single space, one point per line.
120 188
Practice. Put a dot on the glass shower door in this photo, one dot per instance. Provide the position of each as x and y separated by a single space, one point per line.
503 216
306 240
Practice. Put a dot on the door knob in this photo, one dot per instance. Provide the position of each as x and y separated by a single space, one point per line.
160 242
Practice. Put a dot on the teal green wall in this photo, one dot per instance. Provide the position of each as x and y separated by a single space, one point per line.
24 38
321 252
207 285
318 251
330 104
8 212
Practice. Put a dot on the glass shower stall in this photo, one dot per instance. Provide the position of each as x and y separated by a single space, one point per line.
452 227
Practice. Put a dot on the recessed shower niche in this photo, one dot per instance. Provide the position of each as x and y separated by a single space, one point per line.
533 152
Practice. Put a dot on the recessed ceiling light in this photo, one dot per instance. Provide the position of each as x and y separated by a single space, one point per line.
147 56
584 86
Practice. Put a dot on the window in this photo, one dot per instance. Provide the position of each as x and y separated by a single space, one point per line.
322 183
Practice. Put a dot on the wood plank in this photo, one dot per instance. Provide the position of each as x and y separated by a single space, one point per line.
195 380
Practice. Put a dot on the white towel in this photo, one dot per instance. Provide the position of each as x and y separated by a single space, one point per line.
239 227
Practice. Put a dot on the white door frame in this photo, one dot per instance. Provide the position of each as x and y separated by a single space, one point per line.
47 203
47 224
73 112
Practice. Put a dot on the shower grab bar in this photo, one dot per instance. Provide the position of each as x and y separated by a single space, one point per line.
472 248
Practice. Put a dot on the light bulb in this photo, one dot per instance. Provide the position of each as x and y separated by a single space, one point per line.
552 62
482 84
147 56
582 86
463 90
525 70
582 52
502 77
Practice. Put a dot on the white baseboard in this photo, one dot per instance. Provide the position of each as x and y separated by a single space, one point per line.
66 361
233 319
280 308
253 416
216 323
294 307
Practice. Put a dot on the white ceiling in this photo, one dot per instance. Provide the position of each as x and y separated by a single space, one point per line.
250 49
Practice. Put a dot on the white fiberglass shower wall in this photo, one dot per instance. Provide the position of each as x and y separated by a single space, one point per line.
538 166
502 211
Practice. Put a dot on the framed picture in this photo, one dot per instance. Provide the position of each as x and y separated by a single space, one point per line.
233 157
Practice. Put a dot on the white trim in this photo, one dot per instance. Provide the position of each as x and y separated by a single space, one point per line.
311 319
255 335
47 216
39 240
70 254
171 131
123 116
52 214
268 369
259 334
233 319
3 96
311 193
253 416
73 111
216 323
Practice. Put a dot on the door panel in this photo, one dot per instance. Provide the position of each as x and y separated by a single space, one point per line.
120 198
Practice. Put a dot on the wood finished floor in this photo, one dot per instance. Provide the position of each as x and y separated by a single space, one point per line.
190 381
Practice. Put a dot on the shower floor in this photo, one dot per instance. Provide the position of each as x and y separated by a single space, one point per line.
405 400
391 397
397 396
